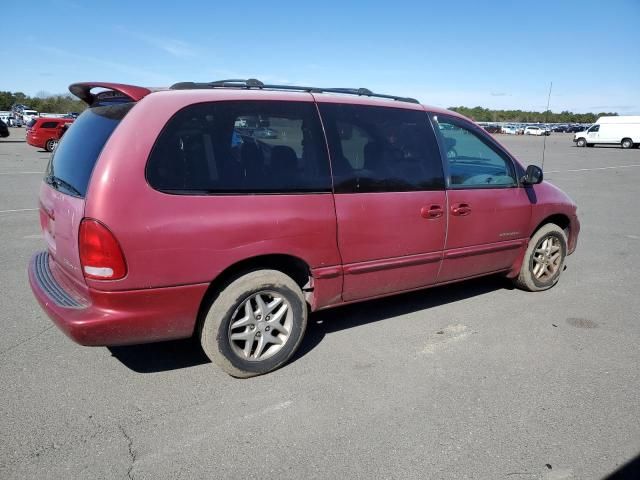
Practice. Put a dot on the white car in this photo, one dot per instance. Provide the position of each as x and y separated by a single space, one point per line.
533 130
509 129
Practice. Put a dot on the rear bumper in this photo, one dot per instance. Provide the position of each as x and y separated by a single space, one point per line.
116 318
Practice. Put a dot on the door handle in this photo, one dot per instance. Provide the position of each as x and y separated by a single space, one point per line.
460 209
432 211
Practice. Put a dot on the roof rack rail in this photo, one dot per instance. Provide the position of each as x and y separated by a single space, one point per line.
254 83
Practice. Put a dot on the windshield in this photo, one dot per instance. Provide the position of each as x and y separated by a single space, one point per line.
30 112
71 165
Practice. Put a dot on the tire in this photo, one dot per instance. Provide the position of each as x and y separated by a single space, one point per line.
626 143
581 142
540 256
238 304
50 145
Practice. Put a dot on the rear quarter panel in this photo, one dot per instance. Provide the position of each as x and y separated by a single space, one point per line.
183 239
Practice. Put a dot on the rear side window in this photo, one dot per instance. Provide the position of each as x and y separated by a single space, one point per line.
70 167
380 149
241 147
49 125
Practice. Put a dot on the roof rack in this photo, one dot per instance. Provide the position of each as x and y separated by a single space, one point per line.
254 83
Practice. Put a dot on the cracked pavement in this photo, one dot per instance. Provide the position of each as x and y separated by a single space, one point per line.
469 381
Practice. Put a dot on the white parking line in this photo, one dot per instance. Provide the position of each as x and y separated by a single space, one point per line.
591 169
21 173
20 210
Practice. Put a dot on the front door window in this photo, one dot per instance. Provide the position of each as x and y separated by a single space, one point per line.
472 161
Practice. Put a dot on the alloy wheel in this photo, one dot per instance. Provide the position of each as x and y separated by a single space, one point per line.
547 258
260 326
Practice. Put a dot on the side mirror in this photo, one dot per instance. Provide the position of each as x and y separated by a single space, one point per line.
532 176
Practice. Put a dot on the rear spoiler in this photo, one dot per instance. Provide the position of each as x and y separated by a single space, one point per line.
114 92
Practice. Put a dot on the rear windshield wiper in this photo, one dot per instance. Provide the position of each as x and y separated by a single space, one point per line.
58 182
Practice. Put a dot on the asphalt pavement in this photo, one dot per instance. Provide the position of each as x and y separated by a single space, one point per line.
475 380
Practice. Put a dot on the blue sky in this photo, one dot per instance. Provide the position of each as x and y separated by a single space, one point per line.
446 53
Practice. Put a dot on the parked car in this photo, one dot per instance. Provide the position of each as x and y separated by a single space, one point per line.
509 129
535 130
18 108
15 122
8 118
493 128
623 130
559 128
4 129
44 132
184 228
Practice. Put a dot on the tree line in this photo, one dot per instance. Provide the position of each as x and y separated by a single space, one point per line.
480 114
42 102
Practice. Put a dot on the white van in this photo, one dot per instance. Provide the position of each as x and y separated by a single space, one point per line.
620 130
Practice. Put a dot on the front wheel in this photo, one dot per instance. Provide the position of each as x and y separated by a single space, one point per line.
581 142
544 259
255 324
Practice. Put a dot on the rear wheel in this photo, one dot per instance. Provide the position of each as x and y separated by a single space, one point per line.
50 145
581 142
255 324
626 143
544 259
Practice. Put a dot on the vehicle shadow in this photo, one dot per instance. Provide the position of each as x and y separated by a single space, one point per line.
351 316
173 355
161 356
628 471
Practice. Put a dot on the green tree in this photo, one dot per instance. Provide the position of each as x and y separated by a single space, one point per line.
42 102
480 114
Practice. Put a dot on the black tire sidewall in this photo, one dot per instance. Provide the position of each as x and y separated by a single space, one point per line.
222 336
554 279
48 146
214 332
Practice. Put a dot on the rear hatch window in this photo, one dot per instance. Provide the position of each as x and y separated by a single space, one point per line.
71 165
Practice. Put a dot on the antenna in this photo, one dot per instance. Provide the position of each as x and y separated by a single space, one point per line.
546 119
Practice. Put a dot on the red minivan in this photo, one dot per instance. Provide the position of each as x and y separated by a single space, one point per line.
45 132
229 210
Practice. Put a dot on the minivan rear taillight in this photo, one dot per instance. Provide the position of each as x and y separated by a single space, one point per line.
100 254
